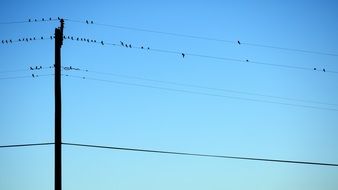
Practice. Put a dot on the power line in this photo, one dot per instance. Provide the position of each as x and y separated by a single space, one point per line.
26 76
202 93
202 155
31 68
201 87
30 21
24 145
185 54
234 42
25 39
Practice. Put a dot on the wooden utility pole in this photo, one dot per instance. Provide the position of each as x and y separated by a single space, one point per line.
57 86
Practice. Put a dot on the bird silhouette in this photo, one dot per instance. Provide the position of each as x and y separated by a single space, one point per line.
59 18
31 68
126 45
6 42
10 41
29 20
50 18
247 60
43 19
324 70
2 41
102 43
34 38
87 21
129 45
315 68
239 42
142 47
91 22
33 75
122 44
148 48
35 20
77 39
183 55
72 38
41 38
19 40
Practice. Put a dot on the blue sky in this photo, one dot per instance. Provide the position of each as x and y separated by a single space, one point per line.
106 113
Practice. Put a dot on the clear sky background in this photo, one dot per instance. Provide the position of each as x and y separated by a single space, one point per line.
106 113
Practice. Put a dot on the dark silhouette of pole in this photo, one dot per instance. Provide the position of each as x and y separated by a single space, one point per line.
57 86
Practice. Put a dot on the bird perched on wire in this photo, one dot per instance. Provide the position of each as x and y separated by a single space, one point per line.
122 44
183 55
324 70
239 43
87 22
31 68
129 45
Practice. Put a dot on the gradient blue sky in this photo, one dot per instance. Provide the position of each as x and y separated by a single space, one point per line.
109 114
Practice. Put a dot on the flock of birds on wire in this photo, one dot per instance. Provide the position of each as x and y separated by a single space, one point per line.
122 44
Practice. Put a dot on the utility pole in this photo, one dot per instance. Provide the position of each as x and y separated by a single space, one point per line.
57 86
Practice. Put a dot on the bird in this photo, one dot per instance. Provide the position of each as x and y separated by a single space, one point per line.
31 68
142 47
43 19
121 43
2 41
148 48
10 41
41 38
91 22
35 20
247 60
6 42
315 68
50 18
323 70
102 43
34 38
183 55
59 18
129 45
19 40
33 75
77 39
72 38
51 37
36 67
29 20
30 39
87 21
95 41
126 45
239 43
